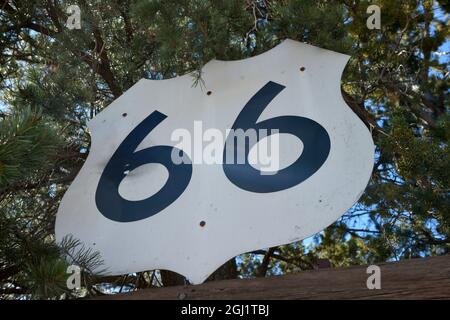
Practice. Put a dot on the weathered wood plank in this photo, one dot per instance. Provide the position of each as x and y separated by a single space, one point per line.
427 278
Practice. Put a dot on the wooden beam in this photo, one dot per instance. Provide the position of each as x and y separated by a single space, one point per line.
427 278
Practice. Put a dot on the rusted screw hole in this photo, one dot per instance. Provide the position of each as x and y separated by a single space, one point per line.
209 93
124 114
202 223
302 69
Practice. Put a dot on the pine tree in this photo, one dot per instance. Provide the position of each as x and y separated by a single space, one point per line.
54 79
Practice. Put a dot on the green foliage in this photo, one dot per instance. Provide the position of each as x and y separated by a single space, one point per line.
46 278
319 23
75 252
27 141
190 33
90 261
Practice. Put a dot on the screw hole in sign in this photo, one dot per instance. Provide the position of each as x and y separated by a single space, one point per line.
124 114
209 93
302 69
202 223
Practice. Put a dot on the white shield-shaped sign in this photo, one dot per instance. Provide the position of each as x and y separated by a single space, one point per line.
141 210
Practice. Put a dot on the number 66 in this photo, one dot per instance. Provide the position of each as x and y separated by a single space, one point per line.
113 206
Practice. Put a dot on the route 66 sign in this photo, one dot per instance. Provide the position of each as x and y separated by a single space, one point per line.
143 211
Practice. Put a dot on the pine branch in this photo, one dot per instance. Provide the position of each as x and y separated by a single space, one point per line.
27 142
77 253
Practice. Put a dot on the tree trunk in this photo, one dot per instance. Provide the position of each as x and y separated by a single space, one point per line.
170 278
226 271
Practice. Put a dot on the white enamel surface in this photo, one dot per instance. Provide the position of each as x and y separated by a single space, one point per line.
237 221
289 149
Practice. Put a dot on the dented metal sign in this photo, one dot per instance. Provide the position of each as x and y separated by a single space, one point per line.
142 211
